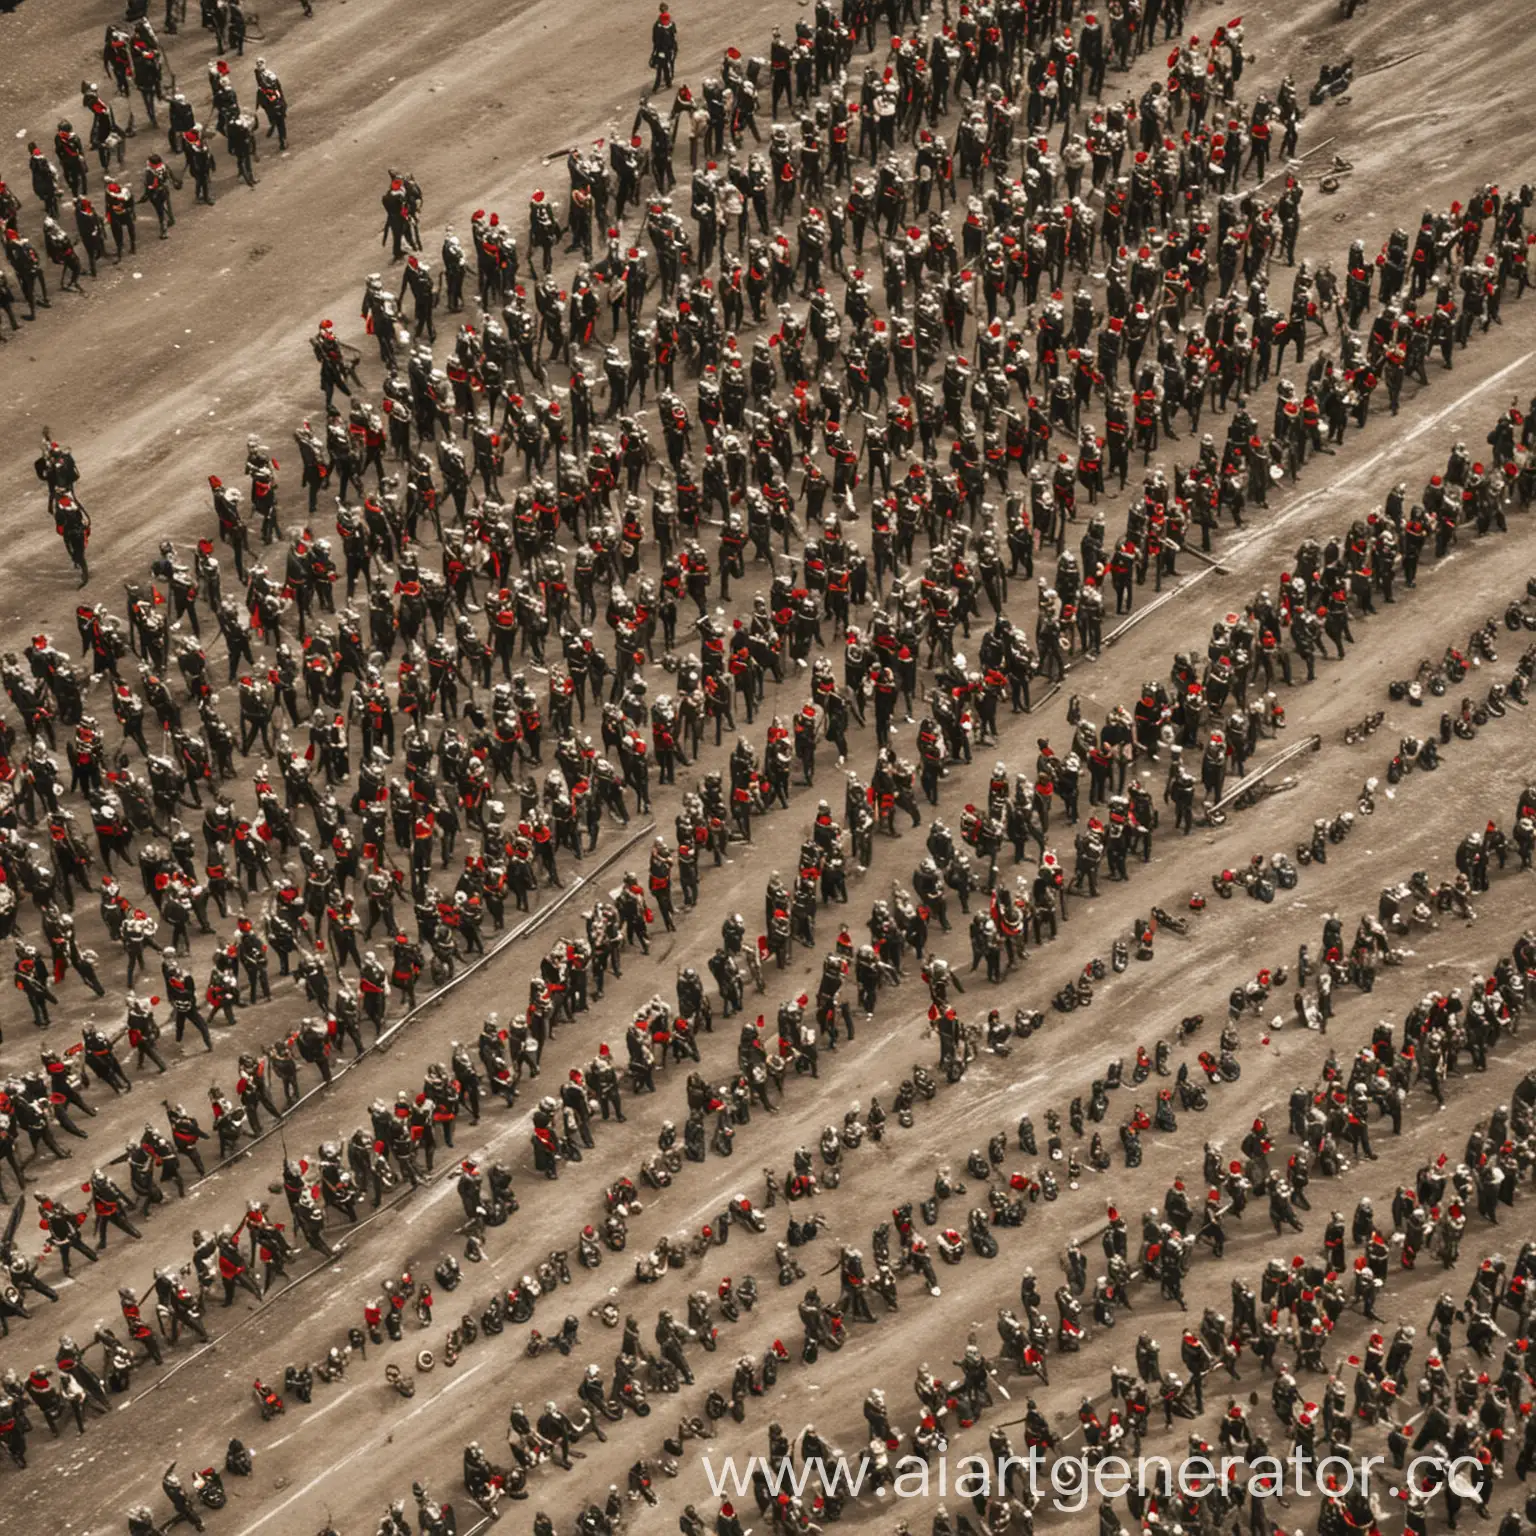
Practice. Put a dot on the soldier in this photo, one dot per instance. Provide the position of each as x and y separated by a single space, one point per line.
661 881
543 227
139 1332
28 266
108 1201
35 1116
142 1029
63 1229
232 1268
254 1095
663 48
334 367
236 25
70 149
417 280
45 180
240 136
200 162
271 100
92 232
47 1399
181 118
107 136
61 252
181 988
268 1244
158 180
61 1086
32 982
397 218
71 1366
454 269
176 1305
122 219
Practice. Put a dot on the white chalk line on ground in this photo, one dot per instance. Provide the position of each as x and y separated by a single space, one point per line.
319 1413
1366 465
1260 534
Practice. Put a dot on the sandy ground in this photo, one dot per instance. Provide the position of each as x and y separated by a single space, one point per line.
155 377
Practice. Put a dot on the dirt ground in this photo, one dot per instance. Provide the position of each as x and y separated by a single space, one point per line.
155 377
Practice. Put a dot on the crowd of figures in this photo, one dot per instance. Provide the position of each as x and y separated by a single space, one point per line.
134 60
425 756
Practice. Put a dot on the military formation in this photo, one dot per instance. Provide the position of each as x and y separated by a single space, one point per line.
80 206
972 324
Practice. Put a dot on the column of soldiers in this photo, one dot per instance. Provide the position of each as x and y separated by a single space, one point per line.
135 61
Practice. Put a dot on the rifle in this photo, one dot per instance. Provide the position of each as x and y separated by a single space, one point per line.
1013 1423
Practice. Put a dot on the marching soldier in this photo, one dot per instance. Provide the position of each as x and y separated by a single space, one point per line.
663 48
158 179
92 232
